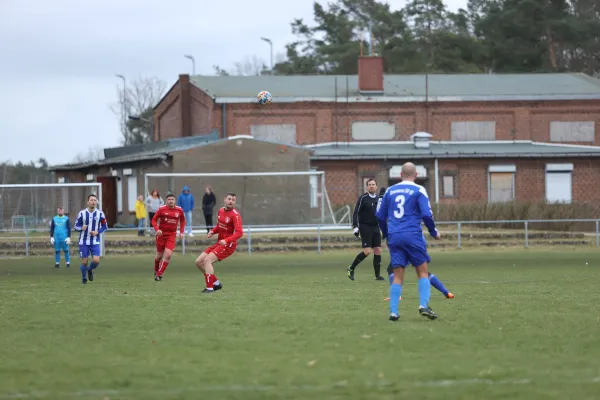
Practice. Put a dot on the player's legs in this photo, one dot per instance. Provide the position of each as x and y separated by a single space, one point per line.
376 245
399 260
365 238
66 251
202 257
95 251
210 278
436 283
57 248
84 253
166 257
160 249
418 256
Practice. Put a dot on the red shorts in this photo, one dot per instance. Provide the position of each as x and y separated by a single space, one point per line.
222 252
166 241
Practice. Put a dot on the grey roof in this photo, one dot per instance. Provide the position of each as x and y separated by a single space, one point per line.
451 87
493 149
147 151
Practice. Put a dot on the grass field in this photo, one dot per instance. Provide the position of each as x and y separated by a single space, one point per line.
524 325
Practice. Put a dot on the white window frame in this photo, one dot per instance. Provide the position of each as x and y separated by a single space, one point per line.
132 192
119 190
562 169
502 169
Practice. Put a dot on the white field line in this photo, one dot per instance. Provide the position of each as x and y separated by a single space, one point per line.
279 389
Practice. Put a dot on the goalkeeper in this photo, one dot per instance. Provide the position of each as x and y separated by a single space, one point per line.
60 236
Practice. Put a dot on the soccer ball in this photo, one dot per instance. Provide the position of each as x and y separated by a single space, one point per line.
264 98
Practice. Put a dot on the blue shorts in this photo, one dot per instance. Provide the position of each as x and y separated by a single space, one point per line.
408 249
86 249
59 244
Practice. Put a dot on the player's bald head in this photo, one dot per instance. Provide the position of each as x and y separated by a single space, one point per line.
409 171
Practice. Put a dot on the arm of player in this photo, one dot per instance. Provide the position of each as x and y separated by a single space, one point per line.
238 230
155 220
181 223
426 214
78 222
382 214
356 211
52 226
103 224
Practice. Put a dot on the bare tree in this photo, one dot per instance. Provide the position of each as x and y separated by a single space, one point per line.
95 153
140 97
248 66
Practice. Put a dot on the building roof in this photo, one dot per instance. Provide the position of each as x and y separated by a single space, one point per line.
441 149
403 88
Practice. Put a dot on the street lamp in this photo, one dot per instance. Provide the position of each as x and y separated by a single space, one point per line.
124 105
193 63
271 46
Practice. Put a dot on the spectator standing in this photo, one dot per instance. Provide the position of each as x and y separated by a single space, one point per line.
208 204
140 214
186 202
153 203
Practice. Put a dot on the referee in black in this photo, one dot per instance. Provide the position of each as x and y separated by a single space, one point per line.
364 222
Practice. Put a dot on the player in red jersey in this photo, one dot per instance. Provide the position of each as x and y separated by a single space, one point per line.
165 223
229 227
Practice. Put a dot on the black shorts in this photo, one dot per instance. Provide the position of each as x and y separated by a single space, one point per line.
370 236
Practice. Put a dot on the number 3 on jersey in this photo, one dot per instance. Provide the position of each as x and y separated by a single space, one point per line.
400 199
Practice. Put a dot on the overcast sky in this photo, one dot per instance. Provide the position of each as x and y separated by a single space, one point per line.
58 60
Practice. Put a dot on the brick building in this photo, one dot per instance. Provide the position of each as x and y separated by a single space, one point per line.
480 137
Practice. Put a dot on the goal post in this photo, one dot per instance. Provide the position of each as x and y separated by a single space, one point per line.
263 198
30 207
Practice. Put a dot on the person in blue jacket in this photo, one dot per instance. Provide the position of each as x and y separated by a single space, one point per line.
186 201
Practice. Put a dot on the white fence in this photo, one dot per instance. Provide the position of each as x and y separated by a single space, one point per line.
457 234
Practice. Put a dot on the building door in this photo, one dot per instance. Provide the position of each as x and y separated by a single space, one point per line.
109 199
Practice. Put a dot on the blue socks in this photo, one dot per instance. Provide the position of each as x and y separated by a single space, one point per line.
57 257
436 283
93 265
84 270
395 293
424 292
68 257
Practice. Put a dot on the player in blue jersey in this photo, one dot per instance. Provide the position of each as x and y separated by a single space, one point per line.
60 236
400 213
90 224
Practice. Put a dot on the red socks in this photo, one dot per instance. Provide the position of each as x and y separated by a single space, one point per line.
210 280
156 264
161 267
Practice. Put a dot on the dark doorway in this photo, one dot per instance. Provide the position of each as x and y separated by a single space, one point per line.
109 198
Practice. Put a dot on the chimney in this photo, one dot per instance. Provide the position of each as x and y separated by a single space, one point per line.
185 105
421 140
370 74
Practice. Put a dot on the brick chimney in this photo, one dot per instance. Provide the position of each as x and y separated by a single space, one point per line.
370 74
185 104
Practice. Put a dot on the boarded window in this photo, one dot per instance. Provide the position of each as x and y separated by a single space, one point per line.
448 186
119 185
502 187
282 133
558 187
379 130
473 130
131 192
572 131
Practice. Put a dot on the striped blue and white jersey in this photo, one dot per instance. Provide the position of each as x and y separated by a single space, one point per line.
93 221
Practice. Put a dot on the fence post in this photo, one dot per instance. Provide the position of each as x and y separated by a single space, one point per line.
526 235
249 241
597 234
319 239
183 244
458 237
26 243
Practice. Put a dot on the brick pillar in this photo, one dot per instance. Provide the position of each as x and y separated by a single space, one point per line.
185 104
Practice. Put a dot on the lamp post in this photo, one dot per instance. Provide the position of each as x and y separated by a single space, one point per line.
193 63
271 47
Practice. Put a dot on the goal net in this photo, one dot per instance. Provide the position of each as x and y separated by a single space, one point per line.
30 207
263 198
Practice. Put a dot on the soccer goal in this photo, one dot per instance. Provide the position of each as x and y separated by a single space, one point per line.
29 208
265 199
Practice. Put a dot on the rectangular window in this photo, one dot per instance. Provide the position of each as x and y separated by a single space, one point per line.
131 192
373 130
501 183
448 186
561 131
473 130
559 183
119 185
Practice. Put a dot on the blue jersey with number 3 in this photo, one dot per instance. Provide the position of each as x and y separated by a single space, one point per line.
402 209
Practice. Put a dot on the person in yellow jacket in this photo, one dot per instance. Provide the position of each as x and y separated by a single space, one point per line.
140 214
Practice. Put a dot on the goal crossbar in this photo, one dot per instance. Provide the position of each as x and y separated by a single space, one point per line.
321 174
61 186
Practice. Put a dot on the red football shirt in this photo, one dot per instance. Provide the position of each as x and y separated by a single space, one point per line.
167 218
229 226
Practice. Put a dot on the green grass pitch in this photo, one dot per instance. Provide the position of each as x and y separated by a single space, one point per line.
524 325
